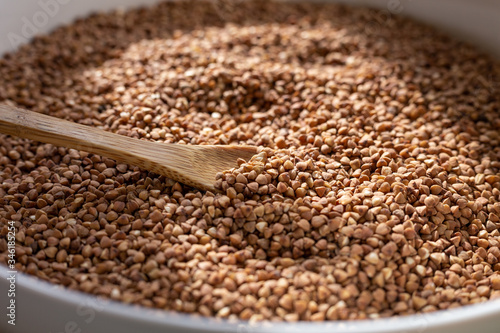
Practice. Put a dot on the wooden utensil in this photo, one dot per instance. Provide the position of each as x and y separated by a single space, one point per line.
192 165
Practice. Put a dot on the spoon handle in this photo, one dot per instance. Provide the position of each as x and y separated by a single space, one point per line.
62 133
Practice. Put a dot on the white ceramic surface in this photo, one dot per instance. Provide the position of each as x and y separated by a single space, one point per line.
46 308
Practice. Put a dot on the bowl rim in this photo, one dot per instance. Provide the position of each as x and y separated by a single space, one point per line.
171 319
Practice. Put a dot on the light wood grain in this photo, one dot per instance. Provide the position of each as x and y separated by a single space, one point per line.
192 165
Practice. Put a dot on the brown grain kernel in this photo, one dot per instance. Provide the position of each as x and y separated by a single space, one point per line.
431 201
139 257
383 229
495 282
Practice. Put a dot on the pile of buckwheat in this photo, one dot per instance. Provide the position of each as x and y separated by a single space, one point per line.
378 193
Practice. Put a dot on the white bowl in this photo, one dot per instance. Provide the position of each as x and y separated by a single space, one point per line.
44 307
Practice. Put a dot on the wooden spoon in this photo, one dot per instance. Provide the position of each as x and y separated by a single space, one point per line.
192 165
